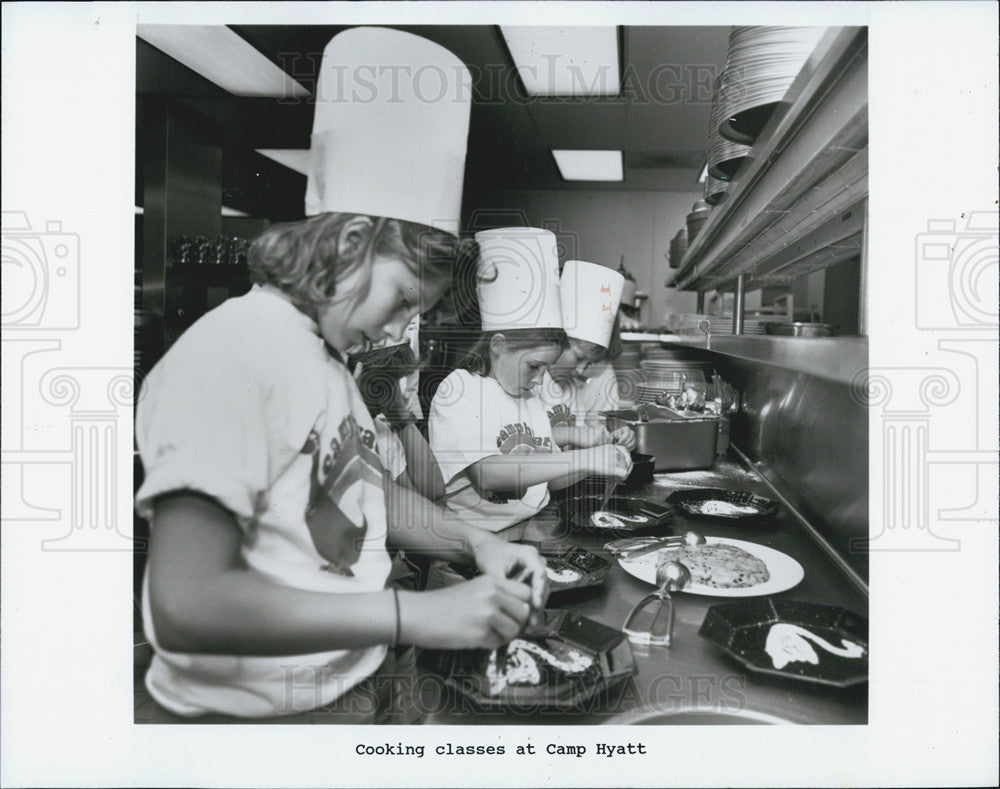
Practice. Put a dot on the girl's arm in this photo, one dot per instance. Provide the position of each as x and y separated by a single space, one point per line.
420 527
205 600
580 436
558 470
421 467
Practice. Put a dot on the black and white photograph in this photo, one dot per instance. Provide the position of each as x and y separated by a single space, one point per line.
514 374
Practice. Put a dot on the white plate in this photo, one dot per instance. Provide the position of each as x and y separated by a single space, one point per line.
785 572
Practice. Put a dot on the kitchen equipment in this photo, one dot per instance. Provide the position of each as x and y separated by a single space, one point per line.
810 642
627 545
677 443
678 248
560 631
689 538
800 329
732 505
636 515
784 571
698 216
651 621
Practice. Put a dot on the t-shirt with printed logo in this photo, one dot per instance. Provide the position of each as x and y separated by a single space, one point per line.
577 402
472 418
250 408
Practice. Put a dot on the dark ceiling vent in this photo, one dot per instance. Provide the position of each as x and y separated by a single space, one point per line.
666 161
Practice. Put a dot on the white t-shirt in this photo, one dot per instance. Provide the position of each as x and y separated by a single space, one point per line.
473 418
577 403
249 407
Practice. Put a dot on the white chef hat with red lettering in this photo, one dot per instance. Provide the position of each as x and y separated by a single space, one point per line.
590 295
518 279
390 129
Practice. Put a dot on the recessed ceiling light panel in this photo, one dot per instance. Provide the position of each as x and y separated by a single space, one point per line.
565 61
590 165
219 55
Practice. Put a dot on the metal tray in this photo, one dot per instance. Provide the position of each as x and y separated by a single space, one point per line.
783 638
460 670
688 503
677 443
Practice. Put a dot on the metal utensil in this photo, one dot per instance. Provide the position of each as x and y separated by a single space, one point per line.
689 539
652 620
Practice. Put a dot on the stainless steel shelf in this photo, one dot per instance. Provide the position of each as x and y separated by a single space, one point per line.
798 203
840 359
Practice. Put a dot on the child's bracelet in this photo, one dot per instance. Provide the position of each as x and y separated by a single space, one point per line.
398 627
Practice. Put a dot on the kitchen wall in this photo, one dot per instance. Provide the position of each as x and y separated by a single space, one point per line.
601 226
808 435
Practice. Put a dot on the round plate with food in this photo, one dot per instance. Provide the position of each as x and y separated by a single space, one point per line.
724 568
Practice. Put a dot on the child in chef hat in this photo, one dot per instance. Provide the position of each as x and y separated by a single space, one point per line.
582 383
489 433
265 591
405 454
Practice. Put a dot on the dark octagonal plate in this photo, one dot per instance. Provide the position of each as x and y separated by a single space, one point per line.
693 502
821 644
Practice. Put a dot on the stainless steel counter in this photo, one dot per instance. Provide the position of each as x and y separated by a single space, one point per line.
693 674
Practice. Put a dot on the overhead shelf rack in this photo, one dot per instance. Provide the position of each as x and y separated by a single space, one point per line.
799 201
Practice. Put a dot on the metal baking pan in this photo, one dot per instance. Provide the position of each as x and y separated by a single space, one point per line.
677 443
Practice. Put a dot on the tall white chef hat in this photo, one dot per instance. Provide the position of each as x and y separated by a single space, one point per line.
590 296
390 130
518 282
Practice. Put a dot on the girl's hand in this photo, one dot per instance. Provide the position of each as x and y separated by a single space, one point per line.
485 612
625 437
586 437
502 559
610 460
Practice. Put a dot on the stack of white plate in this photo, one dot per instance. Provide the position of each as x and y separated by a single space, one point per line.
715 190
724 156
721 326
761 65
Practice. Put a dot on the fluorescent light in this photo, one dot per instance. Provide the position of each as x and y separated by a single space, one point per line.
293 158
222 57
565 61
590 165
227 211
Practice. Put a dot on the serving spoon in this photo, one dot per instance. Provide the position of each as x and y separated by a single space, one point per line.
671 576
